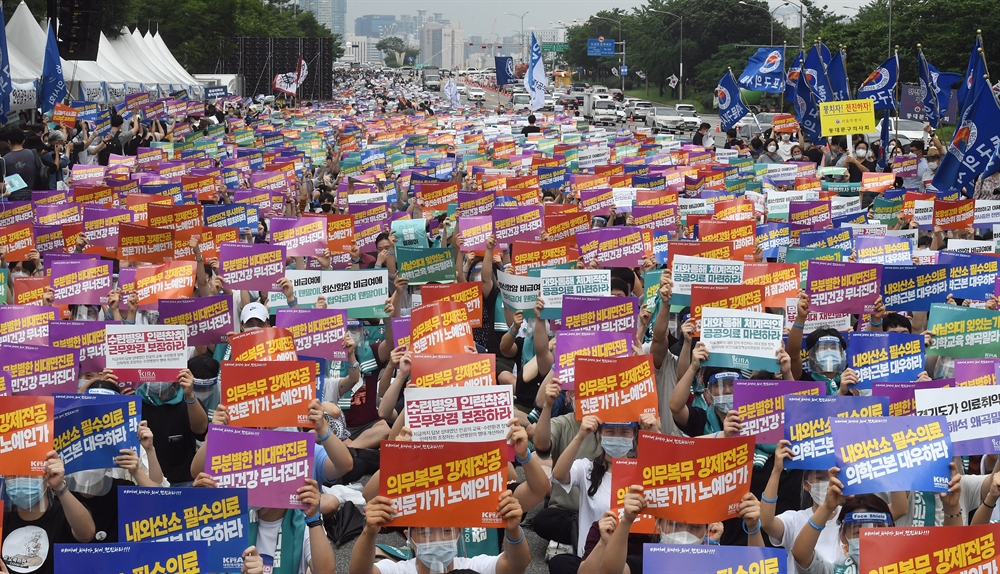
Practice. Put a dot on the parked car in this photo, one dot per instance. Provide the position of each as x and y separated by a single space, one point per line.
460 87
664 120
476 94
639 110
520 102
549 105
685 108
691 120
618 95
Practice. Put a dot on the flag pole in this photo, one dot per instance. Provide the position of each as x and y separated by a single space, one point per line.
843 56
784 70
896 54
929 87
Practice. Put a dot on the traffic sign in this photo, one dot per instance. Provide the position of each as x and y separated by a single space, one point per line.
557 47
600 47
623 69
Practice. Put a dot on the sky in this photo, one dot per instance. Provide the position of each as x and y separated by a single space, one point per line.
478 17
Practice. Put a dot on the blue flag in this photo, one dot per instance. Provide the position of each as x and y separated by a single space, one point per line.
975 69
936 88
993 166
883 149
765 71
880 85
976 136
792 78
836 71
53 88
731 106
5 86
815 70
807 110
505 70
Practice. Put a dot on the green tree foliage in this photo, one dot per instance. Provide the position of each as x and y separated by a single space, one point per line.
394 48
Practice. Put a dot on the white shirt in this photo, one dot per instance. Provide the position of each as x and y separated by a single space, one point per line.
828 546
592 508
785 149
480 564
267 542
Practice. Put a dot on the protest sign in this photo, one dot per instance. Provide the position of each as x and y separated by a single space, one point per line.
689 270
270 464
973 415
970 275
316 332
771 237
268 394
518 293
471 294
218 516
461 414
738 339
558 282
26 434
743 297
876 181
420 266
410 232
620 247
714 559
694 481
474 232
807 425
624 474
361 292
251 266
882 356
39 370
268 344
527 255
452 484
964 332
439 328
840 287
928 549
914 287
459 370
883 250
81 282
516 222
18 240
780 281
146 353
901 395
956 215
86 337
339 233
300 236
571 344
892 454
608 314
306 288
616 390
148 244
174 557
975 372
89 430
208 319
761 404
743 235
26 324
173 280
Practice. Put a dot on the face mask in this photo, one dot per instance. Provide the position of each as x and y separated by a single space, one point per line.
854 550
862 152
829 360
682 537
25 491
797 156
437 555
616 446
932 165
817 490
772 148
786 137
19 274
723 403
159 389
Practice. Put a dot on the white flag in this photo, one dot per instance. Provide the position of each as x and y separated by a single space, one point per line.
534 78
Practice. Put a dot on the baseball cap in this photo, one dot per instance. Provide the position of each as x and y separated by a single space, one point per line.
254 310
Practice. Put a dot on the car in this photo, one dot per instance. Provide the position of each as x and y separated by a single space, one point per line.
664 119
520 102
618 95
549 105
461 88
476 94
602 96
603 112
581 87
620 113
691 120
899 129
567 103
599 90
637 111
685 108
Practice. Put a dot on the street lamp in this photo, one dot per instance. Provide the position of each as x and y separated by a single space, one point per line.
619 22
682 46
523 57
770 12
802 24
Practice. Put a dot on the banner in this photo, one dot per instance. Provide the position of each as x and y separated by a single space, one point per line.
714 558
251 266
625 473
459 414
89 430
839 287
970 275
316 332
780 281
440 328
620 247
570 344
882 356
26 324
608 314
300 236
146 353
271 465
807 426
421 266
914 287
964 332
559 282
39 370
459 370
742 297
929 549
186 557
892 454
694 481
518 293
86 337
743 340
18 240
218 516
528 255
268 344
444 484
616 390
471 294
514 223
883 250
761 405
268 394
25 434
973 415
361 292
81 282
208 319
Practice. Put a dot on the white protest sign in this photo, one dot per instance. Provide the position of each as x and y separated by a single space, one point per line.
518 293
688 270
307 286
746 340
559 282
460 414
362 292
973 415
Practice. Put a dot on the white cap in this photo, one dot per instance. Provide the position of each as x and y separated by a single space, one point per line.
254 310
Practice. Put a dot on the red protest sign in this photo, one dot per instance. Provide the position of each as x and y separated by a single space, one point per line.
340 233
703 249
18 240
943 549
733 210
446 484
780 281
784 123
173 280
147 244
742 234
464 370
469 293
692 480
64 115
624 474
744 297
29 290
437 196
213 237
954 214
26 434
532 254
877 181
268 394
440 327
271 344
615 389
176 217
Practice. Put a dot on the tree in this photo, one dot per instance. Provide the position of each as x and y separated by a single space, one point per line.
114 17
394 49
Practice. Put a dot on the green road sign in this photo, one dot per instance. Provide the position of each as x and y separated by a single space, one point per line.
554 46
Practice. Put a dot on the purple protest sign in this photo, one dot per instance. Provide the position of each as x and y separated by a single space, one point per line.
126 284
813 213
58 214
901 401
595 313
87 337
316 332
100 228
762 405
620 247
208 319
270 464
26 324
255 266
569 344
39 371
512 223
301 236
81 282
842 287
400 332
884 250
474 232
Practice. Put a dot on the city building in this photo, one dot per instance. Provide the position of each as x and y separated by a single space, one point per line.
375 25
442 44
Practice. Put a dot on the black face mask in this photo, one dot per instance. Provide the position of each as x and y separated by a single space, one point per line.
326 207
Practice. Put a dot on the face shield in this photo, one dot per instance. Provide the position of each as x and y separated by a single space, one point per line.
720 385
96 482
357 331
436 548
850 529
27 493
681 533
827 355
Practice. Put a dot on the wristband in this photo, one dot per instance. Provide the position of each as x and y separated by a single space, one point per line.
755 531
794 324
329 431
315 521
61 491
127 322
764 498
522 462
994 505
874 324
814 525
534 414
519 540
190 403
956 515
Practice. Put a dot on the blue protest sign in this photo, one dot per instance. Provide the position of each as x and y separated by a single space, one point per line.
551 177
218 516
231 215
840 238
213 92
892 454
970 276
807 425
713 559
182 556
773 236
90 430
914 287
882 356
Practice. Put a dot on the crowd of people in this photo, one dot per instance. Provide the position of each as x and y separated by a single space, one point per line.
559 482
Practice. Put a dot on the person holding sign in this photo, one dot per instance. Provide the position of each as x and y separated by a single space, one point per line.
177 419
827 354
715 389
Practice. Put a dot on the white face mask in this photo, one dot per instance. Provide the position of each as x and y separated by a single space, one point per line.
797 156
854 550
772 148
862 152
786 137
817 490
723 403
682 537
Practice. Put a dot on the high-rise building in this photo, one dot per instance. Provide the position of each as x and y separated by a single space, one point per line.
372 25
323 10
338 21
442 45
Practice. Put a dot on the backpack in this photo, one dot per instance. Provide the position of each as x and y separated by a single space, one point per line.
114 146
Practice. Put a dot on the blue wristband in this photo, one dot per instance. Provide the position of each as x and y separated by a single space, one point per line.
768 500
522 462
816 526
794 324
318 519
756 530
519 540
192 402
329 431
